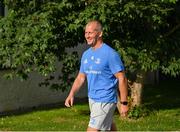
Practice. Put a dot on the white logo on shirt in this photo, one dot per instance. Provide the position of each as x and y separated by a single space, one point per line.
85 61
90 69
98 61
92 57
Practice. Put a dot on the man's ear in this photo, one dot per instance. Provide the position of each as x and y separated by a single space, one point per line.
101 33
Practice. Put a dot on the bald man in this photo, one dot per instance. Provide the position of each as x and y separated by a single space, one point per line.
105 73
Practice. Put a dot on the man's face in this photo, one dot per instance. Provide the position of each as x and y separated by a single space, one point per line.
91 34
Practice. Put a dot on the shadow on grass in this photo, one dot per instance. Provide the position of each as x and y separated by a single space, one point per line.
46 107
164 95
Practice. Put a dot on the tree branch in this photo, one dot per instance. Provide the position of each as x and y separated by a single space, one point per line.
173 30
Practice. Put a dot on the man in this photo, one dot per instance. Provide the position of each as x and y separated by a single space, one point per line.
103 68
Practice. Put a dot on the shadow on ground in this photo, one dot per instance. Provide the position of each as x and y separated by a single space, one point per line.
46 107
164 95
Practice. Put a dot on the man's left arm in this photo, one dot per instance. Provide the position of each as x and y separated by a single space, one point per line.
123 92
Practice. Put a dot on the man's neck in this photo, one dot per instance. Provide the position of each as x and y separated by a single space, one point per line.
97 45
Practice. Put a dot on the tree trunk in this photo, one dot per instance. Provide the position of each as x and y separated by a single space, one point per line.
137 89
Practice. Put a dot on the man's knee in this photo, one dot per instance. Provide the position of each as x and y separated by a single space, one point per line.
89 129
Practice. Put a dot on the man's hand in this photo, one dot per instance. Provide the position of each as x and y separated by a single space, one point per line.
69 101
76 86
124 110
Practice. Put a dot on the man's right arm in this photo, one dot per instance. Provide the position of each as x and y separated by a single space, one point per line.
80 79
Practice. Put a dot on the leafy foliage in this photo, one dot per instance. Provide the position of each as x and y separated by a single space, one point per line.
138 112
144 32
36 33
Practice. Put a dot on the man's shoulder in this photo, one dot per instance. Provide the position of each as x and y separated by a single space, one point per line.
86 51
109 48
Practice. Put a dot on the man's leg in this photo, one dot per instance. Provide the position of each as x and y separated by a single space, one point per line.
89 129
101 116
113 127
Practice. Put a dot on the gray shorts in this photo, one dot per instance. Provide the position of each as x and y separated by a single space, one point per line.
101 116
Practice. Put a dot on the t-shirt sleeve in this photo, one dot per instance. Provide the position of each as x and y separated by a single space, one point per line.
115 63
81 70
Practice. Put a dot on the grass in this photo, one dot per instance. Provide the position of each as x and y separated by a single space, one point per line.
163 102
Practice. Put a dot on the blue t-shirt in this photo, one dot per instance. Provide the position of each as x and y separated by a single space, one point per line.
100 65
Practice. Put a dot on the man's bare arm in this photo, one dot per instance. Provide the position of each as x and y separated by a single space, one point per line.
80 79
123 89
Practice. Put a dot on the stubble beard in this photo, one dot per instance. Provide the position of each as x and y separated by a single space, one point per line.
93 43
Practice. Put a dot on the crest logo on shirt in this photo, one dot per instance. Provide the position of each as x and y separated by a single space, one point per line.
98 61
85 61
